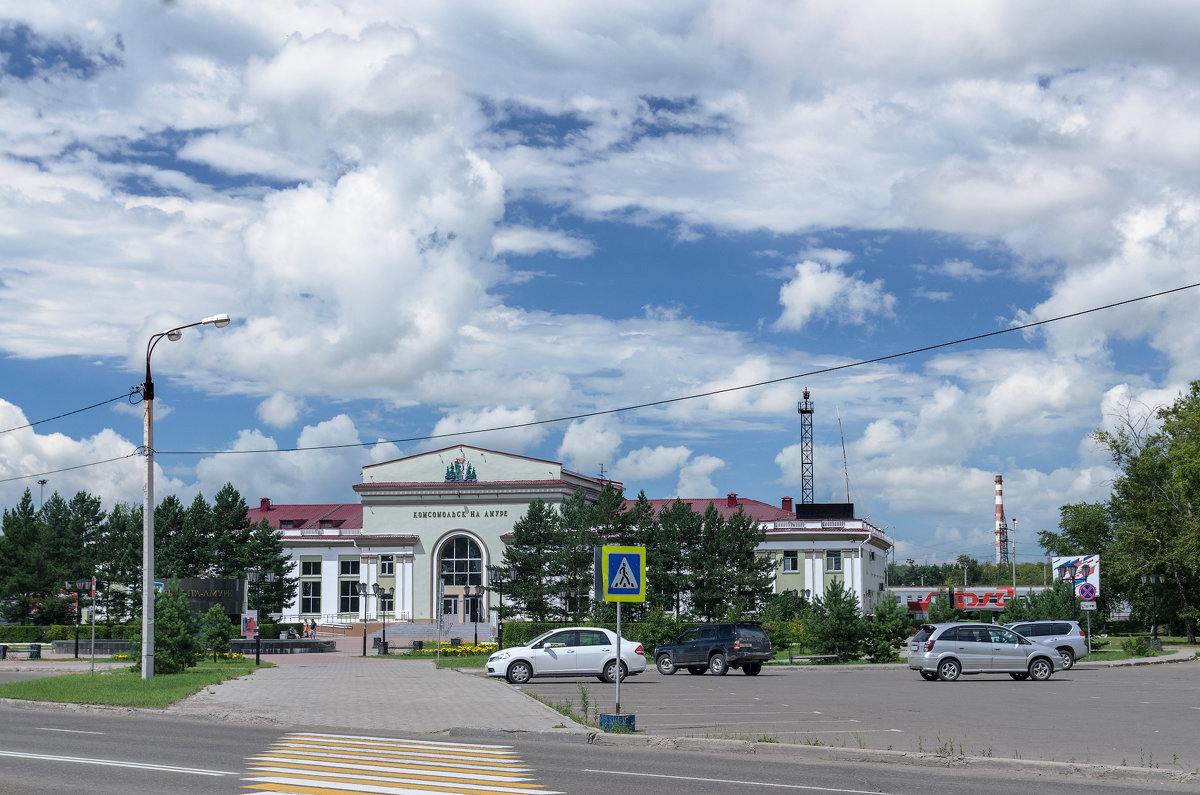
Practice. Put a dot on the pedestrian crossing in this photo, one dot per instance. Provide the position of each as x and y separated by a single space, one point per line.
335 764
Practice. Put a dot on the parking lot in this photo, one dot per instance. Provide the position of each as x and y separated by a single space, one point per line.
1143 716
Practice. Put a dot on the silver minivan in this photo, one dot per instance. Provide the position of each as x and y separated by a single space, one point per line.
1065 637
945 651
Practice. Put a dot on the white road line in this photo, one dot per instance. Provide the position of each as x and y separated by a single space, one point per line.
734 781
66 731
196 771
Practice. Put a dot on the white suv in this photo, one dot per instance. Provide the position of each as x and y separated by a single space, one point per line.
1065 637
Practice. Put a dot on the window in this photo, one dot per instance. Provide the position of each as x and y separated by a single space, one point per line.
592 637
310 568
833 561
348 594
285 524
387 565
462 562
310 597
791 560
387 603
349 568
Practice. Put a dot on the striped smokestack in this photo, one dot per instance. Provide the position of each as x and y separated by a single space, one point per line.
1001 527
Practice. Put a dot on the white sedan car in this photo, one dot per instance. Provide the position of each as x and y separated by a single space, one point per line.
571 651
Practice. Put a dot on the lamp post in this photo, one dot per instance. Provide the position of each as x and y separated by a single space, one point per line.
252 578
363 590
478 594
147 389
496 578
381 592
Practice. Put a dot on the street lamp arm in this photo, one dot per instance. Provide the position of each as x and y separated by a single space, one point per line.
220 321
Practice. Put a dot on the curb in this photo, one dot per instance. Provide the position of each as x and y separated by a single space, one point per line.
821 753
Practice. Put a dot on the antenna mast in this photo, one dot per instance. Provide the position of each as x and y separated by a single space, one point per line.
845 464
805 409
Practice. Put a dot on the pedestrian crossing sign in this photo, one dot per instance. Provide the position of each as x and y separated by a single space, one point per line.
623 573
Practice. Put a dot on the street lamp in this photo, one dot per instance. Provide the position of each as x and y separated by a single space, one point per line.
363 591
381 592
496 577
478 594
252 578
147 389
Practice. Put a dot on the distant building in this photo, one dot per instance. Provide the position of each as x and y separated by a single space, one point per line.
445 515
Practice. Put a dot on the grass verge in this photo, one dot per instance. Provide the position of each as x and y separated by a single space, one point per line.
125 687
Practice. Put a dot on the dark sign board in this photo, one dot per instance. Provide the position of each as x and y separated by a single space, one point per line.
203 594
825 510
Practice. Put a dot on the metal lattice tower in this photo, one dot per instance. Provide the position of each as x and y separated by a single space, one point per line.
1001 525
805 409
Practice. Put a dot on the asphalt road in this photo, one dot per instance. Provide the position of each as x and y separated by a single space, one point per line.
55 749
1139 716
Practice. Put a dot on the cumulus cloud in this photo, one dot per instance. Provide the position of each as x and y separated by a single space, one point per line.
589 444
695 476
280 410
651 463
817 291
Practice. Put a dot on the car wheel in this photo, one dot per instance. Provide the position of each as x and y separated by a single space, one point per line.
1020 677
665 666
948 670
752 669
718 665
519 672
1040 669
696 670
928 676
1068 658
610 671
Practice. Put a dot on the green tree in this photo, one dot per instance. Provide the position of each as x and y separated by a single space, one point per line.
216 630
887 630
536 536
728 577
229 533
176 631
178 551
24 577
1153 508
572 564
264 551
118 563
670 545
835 624
942 609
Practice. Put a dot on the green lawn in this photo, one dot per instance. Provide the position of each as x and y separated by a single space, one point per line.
125 687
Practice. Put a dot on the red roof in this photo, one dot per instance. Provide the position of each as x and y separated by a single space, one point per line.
343 517
726 506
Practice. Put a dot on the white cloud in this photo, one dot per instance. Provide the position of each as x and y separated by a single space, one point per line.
515 433
525 240
280 410
590 444
819 291
695 476
648 463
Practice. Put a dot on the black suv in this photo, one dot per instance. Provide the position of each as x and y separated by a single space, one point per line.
716 648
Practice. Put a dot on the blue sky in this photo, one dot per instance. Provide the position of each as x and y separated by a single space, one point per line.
432 218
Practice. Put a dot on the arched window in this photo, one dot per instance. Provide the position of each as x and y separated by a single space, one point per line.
462 562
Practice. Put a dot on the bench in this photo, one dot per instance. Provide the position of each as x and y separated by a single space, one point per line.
32 651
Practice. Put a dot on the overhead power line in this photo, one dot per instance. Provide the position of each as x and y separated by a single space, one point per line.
697 396
635 407
132 391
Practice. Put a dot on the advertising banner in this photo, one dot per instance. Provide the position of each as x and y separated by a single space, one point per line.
1082 571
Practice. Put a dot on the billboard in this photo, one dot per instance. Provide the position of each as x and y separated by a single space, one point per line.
1082 571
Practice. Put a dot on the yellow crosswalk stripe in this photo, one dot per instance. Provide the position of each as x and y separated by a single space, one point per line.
311 763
